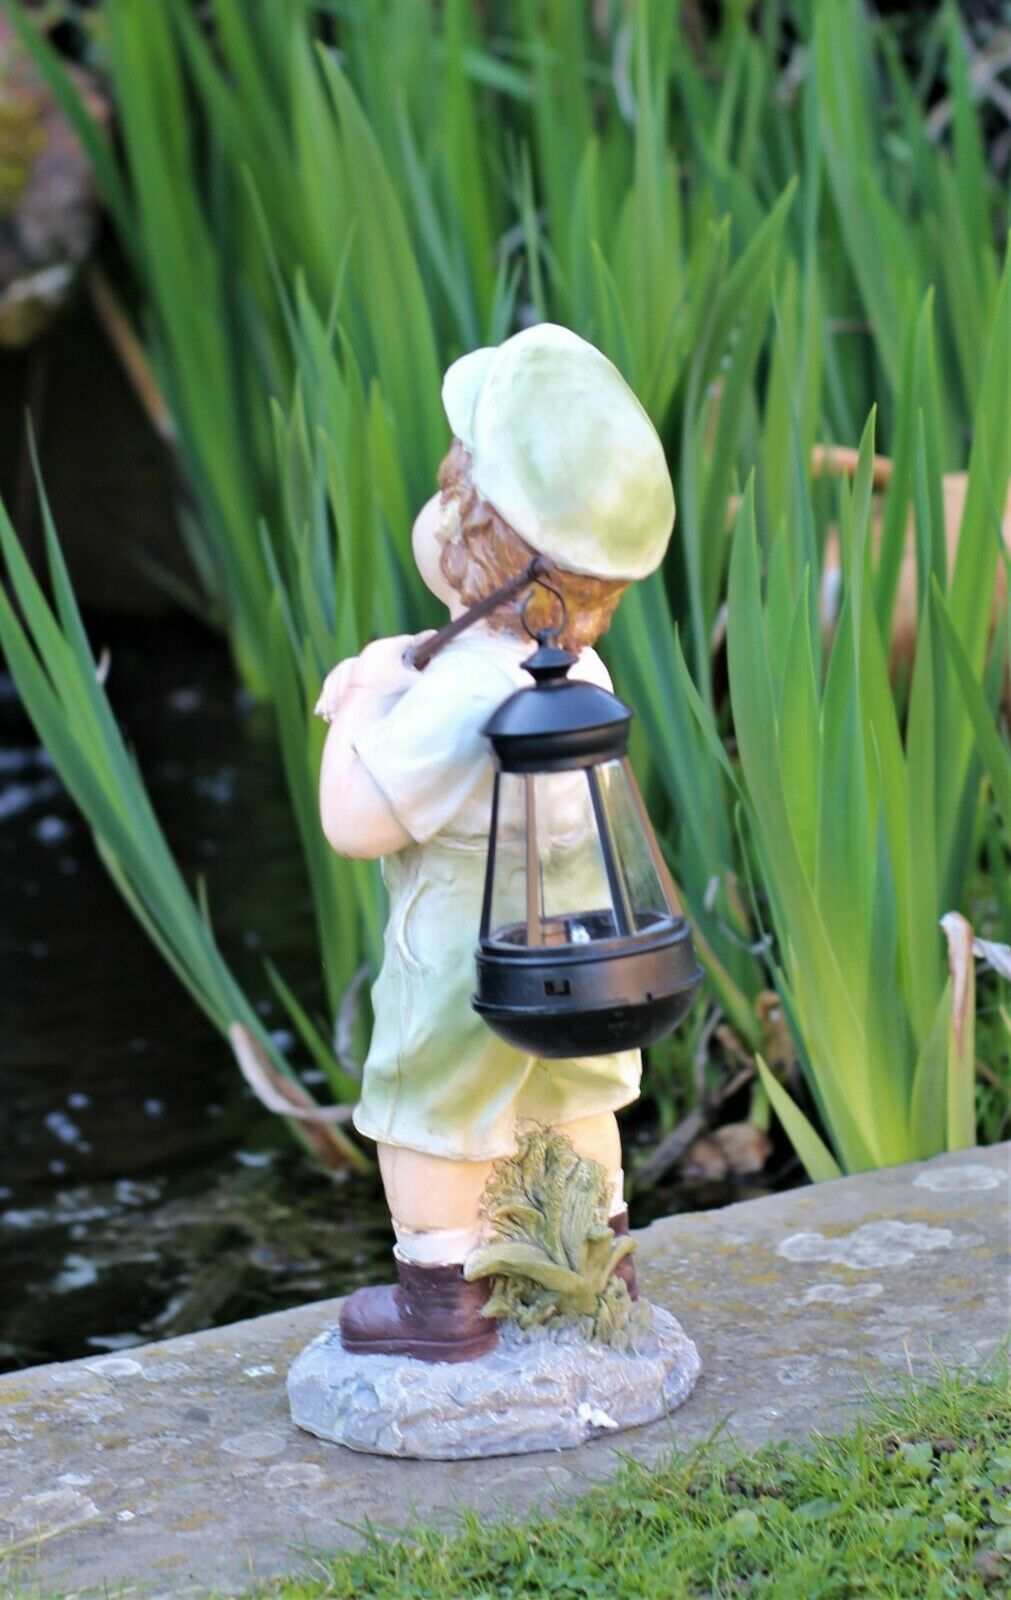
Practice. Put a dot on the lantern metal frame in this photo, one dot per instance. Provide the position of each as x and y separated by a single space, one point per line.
618 991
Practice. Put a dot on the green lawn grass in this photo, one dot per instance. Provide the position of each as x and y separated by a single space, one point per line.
913 1501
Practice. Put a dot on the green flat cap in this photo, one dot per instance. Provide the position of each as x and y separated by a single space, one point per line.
564 452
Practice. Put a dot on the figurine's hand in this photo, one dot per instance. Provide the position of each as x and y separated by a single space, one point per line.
335 687
383 668
380 669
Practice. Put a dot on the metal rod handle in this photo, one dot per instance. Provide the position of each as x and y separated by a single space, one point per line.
422 654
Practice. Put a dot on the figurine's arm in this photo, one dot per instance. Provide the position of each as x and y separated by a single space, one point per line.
406 750
356 815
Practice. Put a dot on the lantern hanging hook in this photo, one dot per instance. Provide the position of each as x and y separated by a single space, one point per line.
542 635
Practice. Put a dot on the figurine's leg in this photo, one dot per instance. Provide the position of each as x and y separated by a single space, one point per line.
597 1139
434 1203
432 1312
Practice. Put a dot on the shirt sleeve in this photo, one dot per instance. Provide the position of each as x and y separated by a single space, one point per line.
427 754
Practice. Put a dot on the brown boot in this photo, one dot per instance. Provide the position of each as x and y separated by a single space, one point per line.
431 1313
625 1270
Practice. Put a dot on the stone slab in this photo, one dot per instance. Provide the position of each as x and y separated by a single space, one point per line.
544 1390
175 1469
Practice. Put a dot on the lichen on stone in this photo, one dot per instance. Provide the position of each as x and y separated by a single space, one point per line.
550 1251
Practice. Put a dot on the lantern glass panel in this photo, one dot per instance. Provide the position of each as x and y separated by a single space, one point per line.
509 886
631 842
573 895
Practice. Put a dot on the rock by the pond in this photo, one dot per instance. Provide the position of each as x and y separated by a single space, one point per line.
538 1391
175 1469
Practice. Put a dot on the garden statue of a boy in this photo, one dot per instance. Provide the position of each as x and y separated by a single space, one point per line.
552 455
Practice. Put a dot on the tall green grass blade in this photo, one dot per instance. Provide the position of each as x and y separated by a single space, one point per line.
55 677
819 1162
992 749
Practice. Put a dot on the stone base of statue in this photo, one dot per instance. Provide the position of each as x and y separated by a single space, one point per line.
537 1390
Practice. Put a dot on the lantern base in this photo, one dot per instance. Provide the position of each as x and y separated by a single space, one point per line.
543 1390
558 1001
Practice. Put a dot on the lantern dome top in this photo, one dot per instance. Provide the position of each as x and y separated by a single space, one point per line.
558 723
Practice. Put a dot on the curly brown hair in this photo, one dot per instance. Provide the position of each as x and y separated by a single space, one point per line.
484 553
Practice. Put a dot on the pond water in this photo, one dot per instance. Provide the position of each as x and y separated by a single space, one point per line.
143 1190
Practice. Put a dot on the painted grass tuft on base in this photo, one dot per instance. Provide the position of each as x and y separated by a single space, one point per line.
551 1253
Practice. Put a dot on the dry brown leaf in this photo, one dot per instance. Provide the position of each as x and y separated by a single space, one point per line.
958 932
288 1099
704 1161
744 1148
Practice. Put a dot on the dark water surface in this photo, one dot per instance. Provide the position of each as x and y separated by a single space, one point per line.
143 1190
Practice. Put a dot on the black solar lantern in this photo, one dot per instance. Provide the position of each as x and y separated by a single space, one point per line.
583 949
